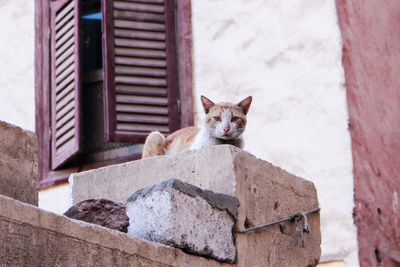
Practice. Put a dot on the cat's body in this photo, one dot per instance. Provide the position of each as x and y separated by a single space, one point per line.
224 124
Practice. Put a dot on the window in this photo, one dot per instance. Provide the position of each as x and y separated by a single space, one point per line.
107 73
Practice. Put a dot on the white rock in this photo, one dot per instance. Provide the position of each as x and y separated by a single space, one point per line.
182 215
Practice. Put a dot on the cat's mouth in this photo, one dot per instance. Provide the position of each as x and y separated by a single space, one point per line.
226 137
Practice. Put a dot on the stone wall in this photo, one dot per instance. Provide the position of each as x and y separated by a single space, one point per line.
33 237
18 163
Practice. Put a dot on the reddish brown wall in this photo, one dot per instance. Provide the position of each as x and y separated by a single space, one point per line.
371 60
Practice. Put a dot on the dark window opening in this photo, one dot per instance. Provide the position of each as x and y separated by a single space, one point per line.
91 36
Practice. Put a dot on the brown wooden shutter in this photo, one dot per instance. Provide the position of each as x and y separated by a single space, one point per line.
65 80
140 68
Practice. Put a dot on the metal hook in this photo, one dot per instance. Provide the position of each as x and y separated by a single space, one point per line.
301 228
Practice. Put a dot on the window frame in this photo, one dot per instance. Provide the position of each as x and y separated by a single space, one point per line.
48 177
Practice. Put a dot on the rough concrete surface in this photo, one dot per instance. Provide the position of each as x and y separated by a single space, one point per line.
18 163
102 212
266 193
34 237
185 216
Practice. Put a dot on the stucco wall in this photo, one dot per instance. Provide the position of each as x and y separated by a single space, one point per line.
372 63
17 102
287 55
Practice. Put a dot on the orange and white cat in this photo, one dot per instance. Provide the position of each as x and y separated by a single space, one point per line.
224 124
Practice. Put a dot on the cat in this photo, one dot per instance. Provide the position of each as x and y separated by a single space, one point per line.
224 124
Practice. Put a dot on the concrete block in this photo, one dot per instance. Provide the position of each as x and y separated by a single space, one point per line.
266 194
31 236
18 163
184 216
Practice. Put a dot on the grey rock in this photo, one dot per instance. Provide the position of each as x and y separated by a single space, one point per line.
185 216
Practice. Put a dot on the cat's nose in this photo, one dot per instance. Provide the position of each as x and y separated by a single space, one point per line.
227 128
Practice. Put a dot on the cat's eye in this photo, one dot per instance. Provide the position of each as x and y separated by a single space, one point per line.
217 118
234 118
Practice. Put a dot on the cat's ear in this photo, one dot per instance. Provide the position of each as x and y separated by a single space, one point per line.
245 104
207 103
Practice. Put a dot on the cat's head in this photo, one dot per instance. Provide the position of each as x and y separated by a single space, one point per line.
225 120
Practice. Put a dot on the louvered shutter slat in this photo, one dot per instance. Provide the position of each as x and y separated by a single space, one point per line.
62 11
64 120
65 56
65 137
140 90
65 89
65 73
60 24
64 65
66 31
64 83
147 1
139 53
67 127
140 71
142 109
146 44
145 62
140 78
157 8
140 81
156 101
135 25
65 39
65 102
137 127
64 47
138 16
139 118
139 34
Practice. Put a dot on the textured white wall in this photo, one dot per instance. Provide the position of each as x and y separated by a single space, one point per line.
17 101
287 55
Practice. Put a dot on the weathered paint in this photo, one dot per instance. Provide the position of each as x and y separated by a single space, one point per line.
371 59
